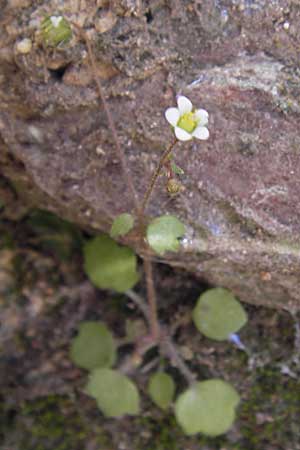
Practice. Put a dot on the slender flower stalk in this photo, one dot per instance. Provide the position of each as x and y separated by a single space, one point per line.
156 174
121 155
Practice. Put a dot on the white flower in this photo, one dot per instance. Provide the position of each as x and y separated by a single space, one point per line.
186 121
55 20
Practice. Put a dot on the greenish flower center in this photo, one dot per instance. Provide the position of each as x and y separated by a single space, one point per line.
187 122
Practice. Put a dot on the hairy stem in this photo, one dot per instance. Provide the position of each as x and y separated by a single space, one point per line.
121 155
170 350
139 302
167 347
156 174
151 296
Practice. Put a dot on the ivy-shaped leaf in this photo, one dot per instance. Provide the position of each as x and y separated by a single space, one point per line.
116 395
93 347
121 225
161 389
110 266
163 234
218 314
207 407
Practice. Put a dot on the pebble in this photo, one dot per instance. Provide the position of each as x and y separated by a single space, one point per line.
286 26
24 46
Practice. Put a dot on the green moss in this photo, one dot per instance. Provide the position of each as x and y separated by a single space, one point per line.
277 401
164 433
52 423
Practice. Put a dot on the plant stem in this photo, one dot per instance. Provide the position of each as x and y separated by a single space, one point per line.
151 297
151 294
171 352
139 302
156 174
121 155
167 346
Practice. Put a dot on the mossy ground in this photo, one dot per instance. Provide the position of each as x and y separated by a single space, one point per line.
42 403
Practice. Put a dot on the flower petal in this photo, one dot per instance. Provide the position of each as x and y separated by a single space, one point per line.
201 115
182 135
201 133
184 104
172 115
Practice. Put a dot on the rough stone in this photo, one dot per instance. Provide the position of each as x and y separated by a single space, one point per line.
237 59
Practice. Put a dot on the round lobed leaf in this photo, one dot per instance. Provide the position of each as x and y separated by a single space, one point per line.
163 234
207 407
161 389
218 314
108 265
93 347
115 393
121 225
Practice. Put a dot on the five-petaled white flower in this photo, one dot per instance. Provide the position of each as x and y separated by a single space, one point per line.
186 121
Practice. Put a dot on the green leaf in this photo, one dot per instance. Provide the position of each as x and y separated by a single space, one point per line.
163 234
161 389
218 314
176 169
207 407
110 266
93 347
55 31
121 225
115 394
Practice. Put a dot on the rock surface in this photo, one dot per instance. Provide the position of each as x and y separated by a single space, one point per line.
237 59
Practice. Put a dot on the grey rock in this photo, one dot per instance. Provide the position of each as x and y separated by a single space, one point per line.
237 59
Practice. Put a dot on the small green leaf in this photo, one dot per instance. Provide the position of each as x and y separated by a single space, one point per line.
55 30
161 389
110 266
121 225
163 234
218 314
93 347
176 169
207 407
115 393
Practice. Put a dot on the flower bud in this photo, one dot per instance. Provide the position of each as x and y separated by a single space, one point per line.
173 186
